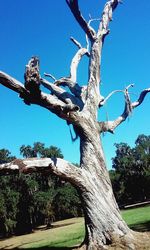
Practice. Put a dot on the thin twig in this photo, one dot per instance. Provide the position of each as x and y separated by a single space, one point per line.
49 75
76 42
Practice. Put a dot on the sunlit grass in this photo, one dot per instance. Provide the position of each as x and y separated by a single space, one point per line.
138 219
64 236
69 233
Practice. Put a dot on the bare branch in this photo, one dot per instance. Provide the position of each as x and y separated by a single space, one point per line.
51 76
75 62
76 42
141 98
47 101
58 166
62 94
11 83
89 22
103 101
109 7
110 126
66 81
74 7
71 81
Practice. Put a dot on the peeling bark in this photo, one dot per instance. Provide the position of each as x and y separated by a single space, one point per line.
79 107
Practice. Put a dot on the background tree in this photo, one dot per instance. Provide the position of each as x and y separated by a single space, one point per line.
5 156
130 177
27 201
79 106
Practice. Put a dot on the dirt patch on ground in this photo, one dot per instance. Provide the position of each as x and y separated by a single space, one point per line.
141 240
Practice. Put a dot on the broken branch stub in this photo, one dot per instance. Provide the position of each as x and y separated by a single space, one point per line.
32 77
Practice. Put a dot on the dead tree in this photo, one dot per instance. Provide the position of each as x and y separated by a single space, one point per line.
79 106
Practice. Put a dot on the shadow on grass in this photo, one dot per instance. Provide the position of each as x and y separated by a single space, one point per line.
142 227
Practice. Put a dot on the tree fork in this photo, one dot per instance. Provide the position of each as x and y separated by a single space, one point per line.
79 107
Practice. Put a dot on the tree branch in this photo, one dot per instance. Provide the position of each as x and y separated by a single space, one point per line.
110 126
57 166
104 100
76 42
74 7
141 98
50 75
109 7
71 81
47 101
75 62
62 94
11 83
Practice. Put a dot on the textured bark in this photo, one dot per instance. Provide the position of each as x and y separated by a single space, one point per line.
102 217
79 107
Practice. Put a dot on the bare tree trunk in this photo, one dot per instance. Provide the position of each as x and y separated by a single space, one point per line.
79 106
103 222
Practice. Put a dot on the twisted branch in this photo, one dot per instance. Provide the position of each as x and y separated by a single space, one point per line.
110 126
50 102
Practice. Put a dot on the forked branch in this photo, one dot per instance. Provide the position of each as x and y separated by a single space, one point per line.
29 96
74 7
110 126
71 81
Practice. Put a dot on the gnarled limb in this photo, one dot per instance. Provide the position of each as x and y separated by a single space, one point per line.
58 166
47 101
141 98
74 7
110 126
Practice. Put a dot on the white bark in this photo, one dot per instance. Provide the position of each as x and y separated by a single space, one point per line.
58 166
110 126
79 107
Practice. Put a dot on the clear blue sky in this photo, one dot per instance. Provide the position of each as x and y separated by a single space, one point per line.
43 28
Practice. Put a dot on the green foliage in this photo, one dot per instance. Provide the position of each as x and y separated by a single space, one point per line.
5 156
131 174
39 150
67 202
27 201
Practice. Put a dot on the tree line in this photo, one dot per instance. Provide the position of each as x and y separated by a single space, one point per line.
27 201
130 175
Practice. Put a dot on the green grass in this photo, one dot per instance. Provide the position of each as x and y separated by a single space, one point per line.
70 232
138 218
62 237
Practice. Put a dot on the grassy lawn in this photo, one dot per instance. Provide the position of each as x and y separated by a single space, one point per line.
71 232
138 218
66 233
